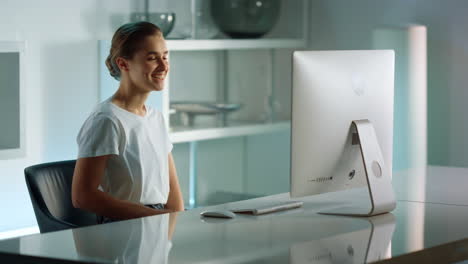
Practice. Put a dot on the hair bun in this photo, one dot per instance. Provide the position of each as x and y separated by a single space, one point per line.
113 69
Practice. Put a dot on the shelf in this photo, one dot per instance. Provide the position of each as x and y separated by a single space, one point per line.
222 44
197 134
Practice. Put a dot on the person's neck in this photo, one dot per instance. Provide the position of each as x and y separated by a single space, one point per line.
130 99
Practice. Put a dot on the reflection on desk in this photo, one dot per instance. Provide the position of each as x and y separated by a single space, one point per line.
367 245
147 240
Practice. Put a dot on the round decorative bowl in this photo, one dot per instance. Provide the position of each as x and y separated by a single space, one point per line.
245 18
164 20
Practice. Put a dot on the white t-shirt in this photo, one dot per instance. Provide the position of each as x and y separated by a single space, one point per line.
137 169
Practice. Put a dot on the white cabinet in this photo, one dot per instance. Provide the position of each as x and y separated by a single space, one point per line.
253 72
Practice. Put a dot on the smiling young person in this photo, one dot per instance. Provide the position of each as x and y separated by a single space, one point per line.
125 168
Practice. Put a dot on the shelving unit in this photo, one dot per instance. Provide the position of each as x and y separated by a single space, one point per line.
161 101
235 130
234 44
254 72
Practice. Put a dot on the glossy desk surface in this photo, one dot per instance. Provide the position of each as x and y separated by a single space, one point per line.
294 236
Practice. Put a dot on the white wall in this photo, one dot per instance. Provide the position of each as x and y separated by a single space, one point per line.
61 84
337 24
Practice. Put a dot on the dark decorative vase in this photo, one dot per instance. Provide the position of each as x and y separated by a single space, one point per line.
245 18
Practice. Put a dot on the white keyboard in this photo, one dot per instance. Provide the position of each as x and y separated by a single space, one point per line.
269 208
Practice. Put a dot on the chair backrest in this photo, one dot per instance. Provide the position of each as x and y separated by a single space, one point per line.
49 186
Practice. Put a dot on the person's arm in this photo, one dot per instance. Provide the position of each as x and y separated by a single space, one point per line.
175 200
86 195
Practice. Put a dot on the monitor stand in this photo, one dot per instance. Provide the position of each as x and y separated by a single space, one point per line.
379 181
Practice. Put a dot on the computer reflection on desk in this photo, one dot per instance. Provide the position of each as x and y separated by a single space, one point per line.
146 240
362 246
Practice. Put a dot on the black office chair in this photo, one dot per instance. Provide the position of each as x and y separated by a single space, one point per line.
49 186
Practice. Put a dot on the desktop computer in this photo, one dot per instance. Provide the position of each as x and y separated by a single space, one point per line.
342 126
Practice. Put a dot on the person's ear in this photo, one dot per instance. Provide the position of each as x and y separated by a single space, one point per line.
122 64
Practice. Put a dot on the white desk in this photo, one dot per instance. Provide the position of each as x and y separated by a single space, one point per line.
295 236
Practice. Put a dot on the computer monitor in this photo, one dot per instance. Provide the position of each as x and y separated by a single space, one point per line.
342 126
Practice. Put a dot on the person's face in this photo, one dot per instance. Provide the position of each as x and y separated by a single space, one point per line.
149 66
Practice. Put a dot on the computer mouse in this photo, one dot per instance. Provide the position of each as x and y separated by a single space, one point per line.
218 214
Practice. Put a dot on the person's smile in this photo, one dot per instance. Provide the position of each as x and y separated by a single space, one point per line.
159 76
